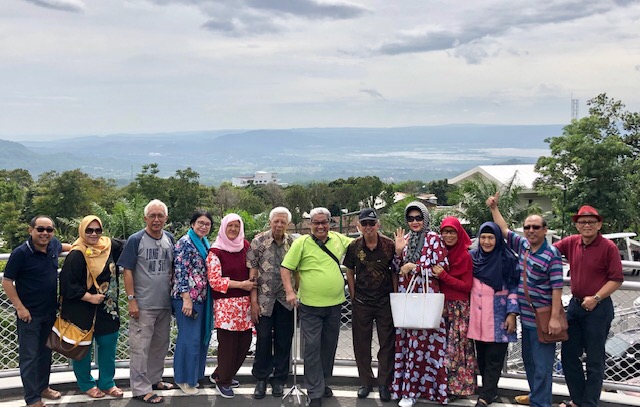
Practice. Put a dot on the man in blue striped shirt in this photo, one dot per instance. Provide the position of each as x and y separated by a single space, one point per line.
543 265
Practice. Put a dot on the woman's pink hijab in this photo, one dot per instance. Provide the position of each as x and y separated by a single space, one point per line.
223 242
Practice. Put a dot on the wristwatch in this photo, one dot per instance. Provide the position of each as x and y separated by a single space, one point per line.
597 298
131 297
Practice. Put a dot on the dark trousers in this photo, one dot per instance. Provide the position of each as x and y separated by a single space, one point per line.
319 327
490 361
273 347
34 356
232 350
362 325
588 332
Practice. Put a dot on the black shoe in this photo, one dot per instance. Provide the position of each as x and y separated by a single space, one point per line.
385 394
327 392
364 391
277 389
261 389
316 403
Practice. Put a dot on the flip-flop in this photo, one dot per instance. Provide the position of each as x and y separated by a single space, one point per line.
95 393
163 386
567 403
51 394
153 399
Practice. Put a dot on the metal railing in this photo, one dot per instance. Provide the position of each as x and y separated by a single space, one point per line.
623 344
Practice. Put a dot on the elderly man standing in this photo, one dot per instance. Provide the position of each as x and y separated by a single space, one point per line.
315 258
368 261
596 273
270 311
541 264
147 259
33 266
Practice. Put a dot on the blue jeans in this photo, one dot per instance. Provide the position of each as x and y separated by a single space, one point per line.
538 360
190 356
105 347
588 332
34 356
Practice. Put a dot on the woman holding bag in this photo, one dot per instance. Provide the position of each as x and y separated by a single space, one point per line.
419 363
92 260
494 306
455 283
191 302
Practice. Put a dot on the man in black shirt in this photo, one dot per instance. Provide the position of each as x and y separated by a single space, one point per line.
368 261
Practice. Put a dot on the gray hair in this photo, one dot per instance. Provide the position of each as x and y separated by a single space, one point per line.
280 210
320 211
156 202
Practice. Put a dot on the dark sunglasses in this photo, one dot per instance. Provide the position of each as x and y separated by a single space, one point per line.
418 218
534 227
48 229
368 222
90 231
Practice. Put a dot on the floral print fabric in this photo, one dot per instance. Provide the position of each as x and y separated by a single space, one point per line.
190 272
461 363
231 314
419 362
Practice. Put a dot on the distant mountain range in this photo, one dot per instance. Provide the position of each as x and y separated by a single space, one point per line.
297 155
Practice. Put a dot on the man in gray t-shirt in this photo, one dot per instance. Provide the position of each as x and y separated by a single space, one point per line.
147 259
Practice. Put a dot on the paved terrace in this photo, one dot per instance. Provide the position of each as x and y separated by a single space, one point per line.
344 384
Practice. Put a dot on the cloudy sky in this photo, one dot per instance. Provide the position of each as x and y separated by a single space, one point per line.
80 67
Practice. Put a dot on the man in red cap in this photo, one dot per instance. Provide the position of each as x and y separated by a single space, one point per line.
596 272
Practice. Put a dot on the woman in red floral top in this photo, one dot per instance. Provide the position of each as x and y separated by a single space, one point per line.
229 279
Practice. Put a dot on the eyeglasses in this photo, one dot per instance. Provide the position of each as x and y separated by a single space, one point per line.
587 222
448 232
41 229
534 227
368 222
156 216
90 231
318 223
205 224
418 218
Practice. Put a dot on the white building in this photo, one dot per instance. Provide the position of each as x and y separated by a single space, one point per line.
525 175
258 178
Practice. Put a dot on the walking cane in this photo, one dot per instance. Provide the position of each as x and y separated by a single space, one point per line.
295 395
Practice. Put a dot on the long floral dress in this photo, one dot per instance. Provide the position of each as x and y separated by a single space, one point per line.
420 354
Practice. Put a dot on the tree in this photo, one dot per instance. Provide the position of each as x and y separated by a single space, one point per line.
594 162
298 201
150 185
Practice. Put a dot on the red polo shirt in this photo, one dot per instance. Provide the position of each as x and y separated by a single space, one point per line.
592 265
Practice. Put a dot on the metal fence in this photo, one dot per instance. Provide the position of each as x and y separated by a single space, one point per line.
623 346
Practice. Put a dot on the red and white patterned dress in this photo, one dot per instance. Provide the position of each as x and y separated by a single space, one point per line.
231 314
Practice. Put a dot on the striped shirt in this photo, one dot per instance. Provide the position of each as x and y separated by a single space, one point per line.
544 274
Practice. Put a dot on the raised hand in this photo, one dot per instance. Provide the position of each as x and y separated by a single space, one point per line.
401 242
492 201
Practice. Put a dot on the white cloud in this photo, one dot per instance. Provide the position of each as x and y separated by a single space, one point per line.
76 6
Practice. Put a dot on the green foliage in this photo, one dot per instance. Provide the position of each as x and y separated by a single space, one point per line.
595 162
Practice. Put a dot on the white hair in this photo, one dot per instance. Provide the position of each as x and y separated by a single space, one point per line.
280 210
318 211
156 202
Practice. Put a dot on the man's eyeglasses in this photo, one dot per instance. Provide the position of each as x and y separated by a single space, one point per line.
323 223
368 222
90 231
587 222
418 218
534 227
47 229
156 216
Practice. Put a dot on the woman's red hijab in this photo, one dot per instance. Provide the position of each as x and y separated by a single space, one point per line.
459 251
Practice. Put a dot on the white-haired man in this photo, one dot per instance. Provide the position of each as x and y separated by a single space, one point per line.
270 311
147 259
316 259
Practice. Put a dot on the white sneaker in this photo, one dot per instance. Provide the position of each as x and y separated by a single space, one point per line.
186 389
407 402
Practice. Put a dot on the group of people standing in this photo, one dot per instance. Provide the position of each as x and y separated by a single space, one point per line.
234 286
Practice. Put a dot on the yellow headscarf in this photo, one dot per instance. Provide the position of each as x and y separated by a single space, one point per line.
97 255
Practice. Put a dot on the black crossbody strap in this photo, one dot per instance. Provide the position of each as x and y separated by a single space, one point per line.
324 248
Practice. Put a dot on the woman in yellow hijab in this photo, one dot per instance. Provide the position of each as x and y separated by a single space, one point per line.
89 291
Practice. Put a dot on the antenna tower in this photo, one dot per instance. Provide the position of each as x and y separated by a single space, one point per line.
574 108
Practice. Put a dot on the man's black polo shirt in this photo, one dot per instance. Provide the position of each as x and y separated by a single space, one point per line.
36 276
372 269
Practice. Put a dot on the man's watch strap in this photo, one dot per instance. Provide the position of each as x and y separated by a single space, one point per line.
131 297
597 298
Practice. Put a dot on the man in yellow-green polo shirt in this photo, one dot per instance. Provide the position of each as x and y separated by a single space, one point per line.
316 260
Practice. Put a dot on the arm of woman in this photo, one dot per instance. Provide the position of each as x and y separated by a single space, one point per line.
182 259
461 279
214 274
73 279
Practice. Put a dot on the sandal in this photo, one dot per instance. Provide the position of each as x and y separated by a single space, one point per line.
95 393
152 399
163 386
567 403
114 392
50 394
481 403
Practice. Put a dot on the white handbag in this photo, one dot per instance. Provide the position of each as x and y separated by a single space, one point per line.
417 310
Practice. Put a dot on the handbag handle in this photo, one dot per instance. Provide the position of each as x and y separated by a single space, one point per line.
524 280
414 281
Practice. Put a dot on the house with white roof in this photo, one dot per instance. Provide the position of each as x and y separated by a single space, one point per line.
525 175
258 178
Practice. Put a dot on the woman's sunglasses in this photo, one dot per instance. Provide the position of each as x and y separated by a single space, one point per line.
418 218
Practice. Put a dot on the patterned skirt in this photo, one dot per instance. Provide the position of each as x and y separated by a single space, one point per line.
462 365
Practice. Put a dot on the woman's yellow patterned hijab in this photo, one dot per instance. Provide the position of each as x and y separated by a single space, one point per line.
97 255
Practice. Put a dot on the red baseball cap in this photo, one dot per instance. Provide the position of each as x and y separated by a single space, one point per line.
586 210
